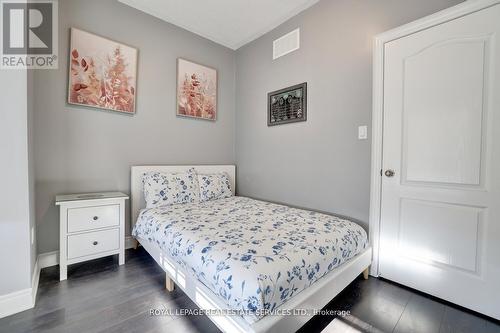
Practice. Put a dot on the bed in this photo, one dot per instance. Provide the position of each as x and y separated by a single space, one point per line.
254 266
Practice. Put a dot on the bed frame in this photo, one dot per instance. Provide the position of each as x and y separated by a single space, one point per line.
315 297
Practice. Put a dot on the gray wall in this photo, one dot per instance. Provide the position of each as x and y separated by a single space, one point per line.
14 170
81 149
30 90
317 164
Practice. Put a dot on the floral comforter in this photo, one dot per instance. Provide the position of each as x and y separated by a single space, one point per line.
252 254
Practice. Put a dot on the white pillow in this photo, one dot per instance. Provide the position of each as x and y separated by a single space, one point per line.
161 189
214 186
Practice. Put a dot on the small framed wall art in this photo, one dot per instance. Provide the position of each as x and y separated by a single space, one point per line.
288 105
196 90
102 73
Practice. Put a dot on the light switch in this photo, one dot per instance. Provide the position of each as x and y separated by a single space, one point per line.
363 132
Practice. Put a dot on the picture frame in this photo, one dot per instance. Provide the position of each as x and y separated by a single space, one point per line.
102 73
197 90
288 105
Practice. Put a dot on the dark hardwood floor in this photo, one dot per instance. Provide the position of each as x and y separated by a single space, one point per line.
100 296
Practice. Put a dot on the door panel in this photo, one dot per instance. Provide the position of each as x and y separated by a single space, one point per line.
440 212
452 242
443 94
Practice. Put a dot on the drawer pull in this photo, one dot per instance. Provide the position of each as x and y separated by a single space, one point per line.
95 218
95 243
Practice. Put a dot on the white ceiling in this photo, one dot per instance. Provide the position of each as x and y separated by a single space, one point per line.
232 23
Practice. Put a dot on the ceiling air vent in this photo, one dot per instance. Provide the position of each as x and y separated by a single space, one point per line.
286 44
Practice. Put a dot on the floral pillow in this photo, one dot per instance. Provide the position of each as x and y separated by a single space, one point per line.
162 189
214 186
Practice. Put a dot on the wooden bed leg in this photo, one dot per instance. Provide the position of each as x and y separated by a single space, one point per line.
136 244
365 273
169 283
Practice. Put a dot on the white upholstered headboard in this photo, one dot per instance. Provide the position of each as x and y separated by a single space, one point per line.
137 194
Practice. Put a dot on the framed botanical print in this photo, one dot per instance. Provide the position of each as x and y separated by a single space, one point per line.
102 73
196 90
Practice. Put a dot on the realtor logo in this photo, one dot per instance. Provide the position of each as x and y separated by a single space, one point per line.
29 34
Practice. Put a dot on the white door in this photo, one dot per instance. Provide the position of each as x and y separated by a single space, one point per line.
440 212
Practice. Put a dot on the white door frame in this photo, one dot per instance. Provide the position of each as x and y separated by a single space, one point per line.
438 18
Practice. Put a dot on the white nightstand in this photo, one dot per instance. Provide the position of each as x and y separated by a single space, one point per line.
92 225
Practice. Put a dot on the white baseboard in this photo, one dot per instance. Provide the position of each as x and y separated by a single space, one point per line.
16 302
129 242
49 259
23 299
34 281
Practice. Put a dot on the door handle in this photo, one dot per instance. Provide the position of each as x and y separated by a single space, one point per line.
389 173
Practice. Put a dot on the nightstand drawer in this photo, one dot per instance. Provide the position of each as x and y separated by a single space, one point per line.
93 242
88 218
